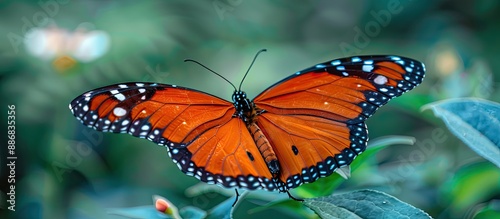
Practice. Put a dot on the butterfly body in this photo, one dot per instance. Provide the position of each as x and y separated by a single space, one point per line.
265 149
296 131
247 112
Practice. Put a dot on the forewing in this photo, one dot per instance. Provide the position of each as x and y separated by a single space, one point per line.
158 112
346 90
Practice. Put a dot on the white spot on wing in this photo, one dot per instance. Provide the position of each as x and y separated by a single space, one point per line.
367 68
380 80
395 58
336 62
119 112
120 97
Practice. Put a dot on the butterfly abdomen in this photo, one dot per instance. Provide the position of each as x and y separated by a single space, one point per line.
265 148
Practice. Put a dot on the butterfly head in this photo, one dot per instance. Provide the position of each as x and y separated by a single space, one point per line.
242 104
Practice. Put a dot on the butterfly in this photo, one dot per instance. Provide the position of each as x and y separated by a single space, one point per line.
300 129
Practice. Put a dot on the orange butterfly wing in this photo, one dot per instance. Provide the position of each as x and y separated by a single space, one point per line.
314 119
199 130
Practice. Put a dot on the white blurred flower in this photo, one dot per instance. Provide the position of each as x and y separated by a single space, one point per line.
54 42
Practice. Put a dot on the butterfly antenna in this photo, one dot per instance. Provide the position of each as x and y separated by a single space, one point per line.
190 60
254 58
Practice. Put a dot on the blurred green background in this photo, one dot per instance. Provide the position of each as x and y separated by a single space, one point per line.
52 51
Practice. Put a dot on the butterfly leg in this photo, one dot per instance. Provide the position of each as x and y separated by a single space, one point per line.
296 199
237 195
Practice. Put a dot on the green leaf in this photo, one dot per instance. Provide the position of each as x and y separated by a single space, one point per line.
363 204
475 122
470 185
375 145
287 205
492 210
